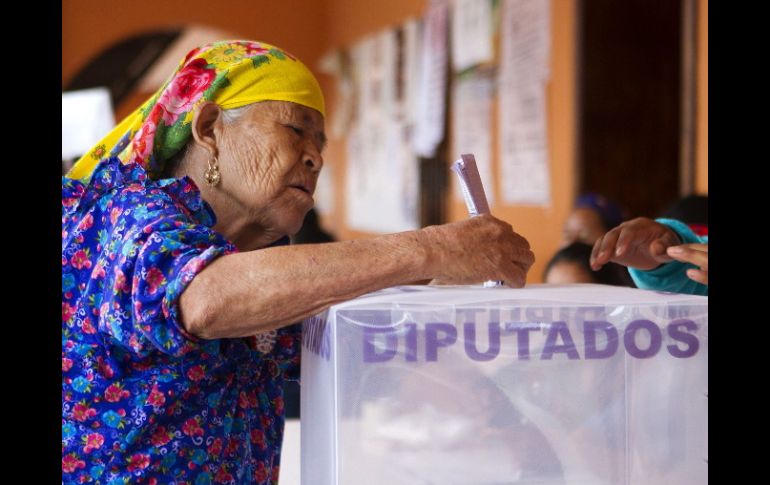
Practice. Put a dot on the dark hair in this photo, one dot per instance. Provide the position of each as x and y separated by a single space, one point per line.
610 213
693 209
580 253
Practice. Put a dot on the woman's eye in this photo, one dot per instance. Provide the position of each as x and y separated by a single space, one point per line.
296 129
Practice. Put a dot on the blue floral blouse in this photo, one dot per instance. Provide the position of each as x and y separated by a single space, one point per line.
142 400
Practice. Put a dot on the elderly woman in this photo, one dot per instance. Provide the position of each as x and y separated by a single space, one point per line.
179 290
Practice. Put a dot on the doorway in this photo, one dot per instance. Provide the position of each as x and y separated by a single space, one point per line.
630 113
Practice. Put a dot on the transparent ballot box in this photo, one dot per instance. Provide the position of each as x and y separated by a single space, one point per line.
573 384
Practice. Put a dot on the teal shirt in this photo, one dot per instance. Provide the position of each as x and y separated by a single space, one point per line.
672 276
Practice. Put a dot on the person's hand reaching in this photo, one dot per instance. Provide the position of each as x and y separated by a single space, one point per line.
697 254
640 243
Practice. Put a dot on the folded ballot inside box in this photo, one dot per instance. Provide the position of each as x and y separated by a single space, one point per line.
575 384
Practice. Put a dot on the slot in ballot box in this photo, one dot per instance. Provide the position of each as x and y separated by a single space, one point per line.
572 384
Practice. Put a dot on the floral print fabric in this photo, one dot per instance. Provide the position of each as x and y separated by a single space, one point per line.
229 73
142 400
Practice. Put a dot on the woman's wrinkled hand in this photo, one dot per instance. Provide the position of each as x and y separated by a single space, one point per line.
639 243
697 254
478 249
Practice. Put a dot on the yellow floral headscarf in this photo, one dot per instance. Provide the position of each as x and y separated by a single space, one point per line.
229 73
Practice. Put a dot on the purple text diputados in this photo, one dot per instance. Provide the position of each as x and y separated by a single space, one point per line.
596 339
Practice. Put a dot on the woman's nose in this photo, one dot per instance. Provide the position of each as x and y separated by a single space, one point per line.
313 160
312 164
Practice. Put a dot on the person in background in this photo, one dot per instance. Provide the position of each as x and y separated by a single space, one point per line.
591 216
662 254
571 265
180 291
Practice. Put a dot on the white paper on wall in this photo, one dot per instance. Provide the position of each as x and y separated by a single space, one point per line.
375 67
471 33
382 179
337 64
524 172
522 108
431 101
86 117
525 39
382 172
472 126
412 48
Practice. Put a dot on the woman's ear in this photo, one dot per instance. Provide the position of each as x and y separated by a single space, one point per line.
203 123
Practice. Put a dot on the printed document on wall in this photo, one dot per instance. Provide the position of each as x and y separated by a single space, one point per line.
382 173
337 63
524 173
411 72
472 126
374 72
525 33
471 33
382 180
430 122
523 127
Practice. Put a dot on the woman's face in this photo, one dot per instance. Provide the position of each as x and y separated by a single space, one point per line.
568 272
583 225
270 159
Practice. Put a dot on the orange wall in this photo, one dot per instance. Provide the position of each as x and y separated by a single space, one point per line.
89 26
349 20
702 94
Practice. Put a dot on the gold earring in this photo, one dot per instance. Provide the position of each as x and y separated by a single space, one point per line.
212 175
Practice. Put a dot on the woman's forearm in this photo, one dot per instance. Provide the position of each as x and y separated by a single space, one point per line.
246 293
243 294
